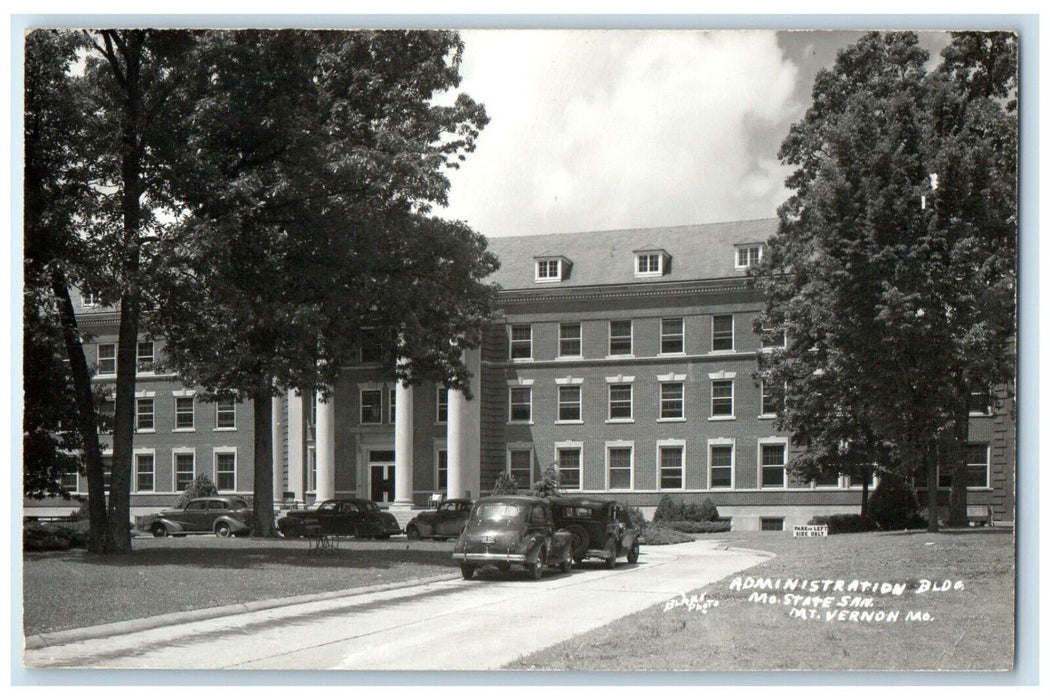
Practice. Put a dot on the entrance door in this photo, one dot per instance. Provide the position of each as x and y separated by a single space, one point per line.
381 475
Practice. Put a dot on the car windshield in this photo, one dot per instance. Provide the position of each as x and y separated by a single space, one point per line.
498 511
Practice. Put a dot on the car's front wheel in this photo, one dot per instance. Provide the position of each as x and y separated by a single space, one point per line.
413 533
159 530
467 570
223 530
632 556
610 559
566 565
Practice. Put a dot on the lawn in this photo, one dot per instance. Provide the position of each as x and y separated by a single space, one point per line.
65 590
969 626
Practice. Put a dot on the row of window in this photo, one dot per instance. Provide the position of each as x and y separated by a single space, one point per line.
185 414
107 358
653 262
621 338
620 399
371 406
620 468
183 471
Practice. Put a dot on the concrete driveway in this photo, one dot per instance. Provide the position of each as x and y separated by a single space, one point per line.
446 625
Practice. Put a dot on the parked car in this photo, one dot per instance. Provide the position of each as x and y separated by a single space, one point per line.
223 515
448 520
355 517
600 528
507 532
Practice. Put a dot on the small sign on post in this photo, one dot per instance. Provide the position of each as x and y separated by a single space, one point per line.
811 531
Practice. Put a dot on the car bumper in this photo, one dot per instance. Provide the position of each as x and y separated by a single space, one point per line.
488 558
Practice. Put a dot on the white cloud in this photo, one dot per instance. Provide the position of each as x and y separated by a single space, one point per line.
615 129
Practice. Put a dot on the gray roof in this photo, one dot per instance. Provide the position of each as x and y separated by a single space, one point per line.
698 252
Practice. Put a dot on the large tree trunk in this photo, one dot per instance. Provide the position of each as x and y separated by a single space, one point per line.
262 500
956 454
866 475
929 460
87 424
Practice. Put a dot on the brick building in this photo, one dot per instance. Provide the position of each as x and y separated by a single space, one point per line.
627 357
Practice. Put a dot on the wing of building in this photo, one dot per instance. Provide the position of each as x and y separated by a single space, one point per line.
624 357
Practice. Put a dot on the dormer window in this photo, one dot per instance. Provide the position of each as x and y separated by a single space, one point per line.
747 256
552 268
650 262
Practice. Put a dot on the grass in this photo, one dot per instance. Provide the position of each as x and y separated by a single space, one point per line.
968 629
71 589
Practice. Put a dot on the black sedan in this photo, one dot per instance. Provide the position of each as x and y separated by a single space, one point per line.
447 521
355 517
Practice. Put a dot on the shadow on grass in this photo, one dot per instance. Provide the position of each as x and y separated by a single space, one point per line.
254 557
951 531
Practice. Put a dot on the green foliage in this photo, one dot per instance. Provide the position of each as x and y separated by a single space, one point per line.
670 511
202 486
893 505
841 523
547 486
46 537
698 526
504 485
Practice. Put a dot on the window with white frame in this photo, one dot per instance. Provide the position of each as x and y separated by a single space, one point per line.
772 398
442 470
88 298
371 406
393 406
772 337
107 411
722 398
720 463
311 468
68 481
772 465
722 332
570 343
548 270
619 460
107 471
828 480
977 463
649 263
570 468
521 342
748 256
672 466
672 400
672 336
225 414
620 402
226 470
519 466
569 403
521 404
980 402
184 413
442 405
144 414
144 356
184 469
620 338
107 359
144 471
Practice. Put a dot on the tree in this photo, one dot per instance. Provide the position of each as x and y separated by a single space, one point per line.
55 190
890 291
312 161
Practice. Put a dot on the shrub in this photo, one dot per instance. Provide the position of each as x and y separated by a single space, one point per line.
202 486
50 537
841 523
694 526
504 485
547 486
667 510
657 534
893 504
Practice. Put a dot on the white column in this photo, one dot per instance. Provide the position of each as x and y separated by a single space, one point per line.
403 448
275 447
325 448
296 445
464 435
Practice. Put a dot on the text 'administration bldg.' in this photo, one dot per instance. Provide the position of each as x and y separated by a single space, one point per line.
626 357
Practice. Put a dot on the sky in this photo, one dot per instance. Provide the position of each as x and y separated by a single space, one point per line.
600 130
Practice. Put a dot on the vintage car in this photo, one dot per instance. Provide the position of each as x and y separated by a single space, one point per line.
506 532
600 528
223 515
355 517
448 520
